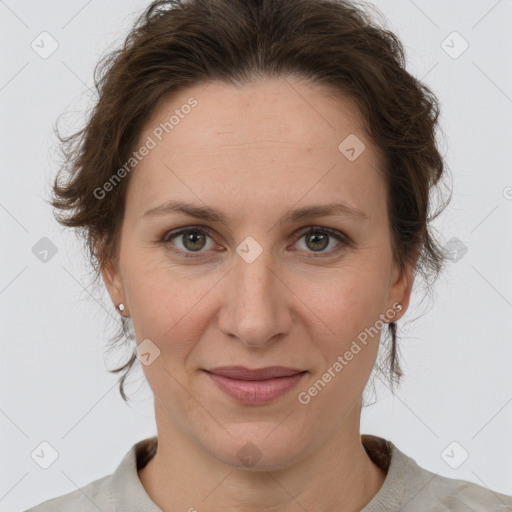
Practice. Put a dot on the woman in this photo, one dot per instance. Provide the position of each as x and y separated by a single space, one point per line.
255 186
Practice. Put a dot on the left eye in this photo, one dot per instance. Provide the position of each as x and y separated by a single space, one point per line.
317 239
194 239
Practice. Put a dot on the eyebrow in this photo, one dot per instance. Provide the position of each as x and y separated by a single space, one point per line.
212 215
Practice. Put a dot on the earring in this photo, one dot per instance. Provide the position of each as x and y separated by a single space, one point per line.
121 307
396 307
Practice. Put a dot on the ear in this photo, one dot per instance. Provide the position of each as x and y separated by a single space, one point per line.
401 288
114 283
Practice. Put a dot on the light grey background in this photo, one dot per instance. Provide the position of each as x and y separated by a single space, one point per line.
457 358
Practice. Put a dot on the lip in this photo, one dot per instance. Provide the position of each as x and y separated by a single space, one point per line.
258 386
243 373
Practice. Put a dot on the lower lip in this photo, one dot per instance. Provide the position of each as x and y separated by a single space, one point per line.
256 392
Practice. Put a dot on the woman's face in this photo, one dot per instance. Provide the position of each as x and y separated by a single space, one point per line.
260 287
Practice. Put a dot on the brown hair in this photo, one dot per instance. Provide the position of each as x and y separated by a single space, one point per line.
179 43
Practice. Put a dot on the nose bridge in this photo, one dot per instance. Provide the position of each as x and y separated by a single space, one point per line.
255 308
254 277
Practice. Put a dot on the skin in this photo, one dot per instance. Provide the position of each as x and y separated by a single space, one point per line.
256 153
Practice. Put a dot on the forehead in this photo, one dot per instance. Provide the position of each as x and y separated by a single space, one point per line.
265 137
280 109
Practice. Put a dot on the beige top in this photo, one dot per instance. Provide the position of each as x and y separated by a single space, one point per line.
407 487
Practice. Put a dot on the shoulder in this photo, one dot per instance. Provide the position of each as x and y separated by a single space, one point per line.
461 495
93 497
426 490
120 491
408 487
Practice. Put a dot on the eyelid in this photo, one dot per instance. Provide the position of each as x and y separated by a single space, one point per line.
343 239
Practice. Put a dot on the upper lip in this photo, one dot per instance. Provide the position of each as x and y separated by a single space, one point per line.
243 373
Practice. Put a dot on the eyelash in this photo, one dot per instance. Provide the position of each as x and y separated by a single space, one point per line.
341 237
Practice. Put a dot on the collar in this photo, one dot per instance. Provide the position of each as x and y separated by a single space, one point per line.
130 495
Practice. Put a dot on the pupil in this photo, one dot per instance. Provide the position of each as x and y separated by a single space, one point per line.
321 236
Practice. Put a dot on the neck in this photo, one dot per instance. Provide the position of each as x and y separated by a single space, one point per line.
182 476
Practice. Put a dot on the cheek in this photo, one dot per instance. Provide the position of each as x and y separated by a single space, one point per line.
347 353
169 308
158 293
344 301
348 314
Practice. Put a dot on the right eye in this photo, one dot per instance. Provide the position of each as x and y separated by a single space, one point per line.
192 238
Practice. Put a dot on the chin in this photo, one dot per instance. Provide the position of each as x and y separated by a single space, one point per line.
258 446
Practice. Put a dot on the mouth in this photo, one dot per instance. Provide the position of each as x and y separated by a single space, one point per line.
255 387
243 373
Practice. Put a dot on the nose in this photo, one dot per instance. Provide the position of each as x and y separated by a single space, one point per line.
256 306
